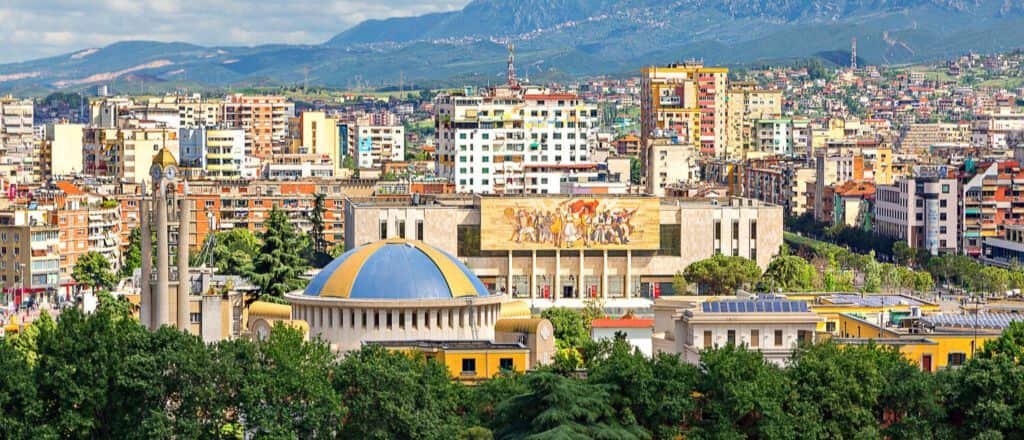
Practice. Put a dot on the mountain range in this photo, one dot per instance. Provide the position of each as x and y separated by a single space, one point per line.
552 39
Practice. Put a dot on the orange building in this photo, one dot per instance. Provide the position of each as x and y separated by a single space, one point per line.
264 119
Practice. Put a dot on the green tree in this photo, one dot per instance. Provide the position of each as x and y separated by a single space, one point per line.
558 407
722 275
484 398
903 254
572 329
657 392
20 407
882 394
132 258
923 282
92 270
788 273
279 266
233 252
287 392
742 396
391 395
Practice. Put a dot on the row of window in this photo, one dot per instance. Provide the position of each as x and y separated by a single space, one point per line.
389 320
401 229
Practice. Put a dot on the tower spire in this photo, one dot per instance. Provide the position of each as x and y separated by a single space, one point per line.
512 81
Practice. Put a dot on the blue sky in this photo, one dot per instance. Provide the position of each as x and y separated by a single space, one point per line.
32 29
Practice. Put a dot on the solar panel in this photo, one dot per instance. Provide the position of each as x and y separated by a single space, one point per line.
754 306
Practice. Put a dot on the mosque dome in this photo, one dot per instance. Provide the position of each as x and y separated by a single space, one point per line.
396 270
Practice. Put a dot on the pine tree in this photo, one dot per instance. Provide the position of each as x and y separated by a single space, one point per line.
279 266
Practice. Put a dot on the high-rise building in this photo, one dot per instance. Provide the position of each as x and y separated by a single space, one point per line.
17 141
378 144
685 101
264 119
29 255
513 140
670 164
747 104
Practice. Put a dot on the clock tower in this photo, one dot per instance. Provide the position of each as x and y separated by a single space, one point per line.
166 211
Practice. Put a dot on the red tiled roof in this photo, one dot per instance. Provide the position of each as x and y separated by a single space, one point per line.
622 323
69 189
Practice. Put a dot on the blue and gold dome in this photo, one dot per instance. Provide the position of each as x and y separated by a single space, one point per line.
398 270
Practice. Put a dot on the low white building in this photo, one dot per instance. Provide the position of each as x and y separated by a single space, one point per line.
689 325
637 331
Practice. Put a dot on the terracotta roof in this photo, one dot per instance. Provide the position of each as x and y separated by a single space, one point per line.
622 323
69 188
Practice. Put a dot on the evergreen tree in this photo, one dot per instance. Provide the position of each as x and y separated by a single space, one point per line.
234 250
279 266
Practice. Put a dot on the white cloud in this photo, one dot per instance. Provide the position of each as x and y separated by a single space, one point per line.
32 29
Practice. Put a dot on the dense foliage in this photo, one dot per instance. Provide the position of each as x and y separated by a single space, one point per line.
105 376
278 266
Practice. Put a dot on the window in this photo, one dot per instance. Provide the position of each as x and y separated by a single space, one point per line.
376 320
388 318
419 229
778 338
956 359
506 364
735 229
755 338
670 242
195 318
468 239
945 189
731 337
383 229
401 229
753 229
469 366
830 326
707 338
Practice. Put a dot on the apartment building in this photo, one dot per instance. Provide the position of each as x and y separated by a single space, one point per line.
992 201
127 153
920 210
671 164
216 153
832 169
746 104
1000 129
61 152
29 255
687 101
264 120
17 140
781 136
220 205
513 141
379 144
780 183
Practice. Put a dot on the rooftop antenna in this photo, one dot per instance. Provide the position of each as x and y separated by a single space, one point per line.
512 81
853 54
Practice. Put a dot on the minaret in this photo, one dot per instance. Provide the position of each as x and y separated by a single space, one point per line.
853 54
183 280
146 248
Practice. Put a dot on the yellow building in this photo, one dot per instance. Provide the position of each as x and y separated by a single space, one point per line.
320 136
687 101
932 342
469 361
872 308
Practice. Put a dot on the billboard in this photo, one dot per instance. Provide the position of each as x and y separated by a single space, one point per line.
569 223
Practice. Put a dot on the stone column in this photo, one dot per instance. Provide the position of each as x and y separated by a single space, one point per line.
533 274
146 273
629 273
581 283
508 275
160 298
604 274
184 286
556 284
